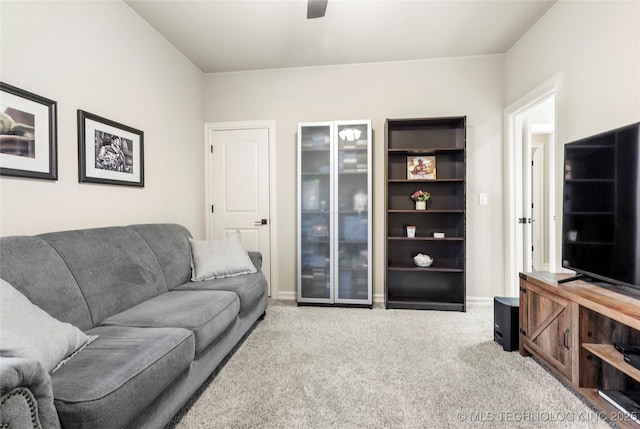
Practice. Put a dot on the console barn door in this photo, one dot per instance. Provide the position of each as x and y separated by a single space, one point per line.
549 328
239 175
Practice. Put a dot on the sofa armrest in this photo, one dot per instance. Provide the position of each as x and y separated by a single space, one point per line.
26 395
256 258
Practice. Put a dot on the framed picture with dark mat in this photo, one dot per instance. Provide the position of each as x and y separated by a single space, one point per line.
28 134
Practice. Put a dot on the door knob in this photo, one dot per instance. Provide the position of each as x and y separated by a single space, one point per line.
260 222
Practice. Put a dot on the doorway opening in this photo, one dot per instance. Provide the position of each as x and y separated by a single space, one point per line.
531 152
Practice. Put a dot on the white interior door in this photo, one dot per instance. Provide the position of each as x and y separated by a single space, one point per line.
239 188
527 198
538 201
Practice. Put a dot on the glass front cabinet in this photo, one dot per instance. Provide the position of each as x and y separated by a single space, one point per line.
334 213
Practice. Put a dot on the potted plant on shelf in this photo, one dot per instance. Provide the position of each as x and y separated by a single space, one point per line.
420 197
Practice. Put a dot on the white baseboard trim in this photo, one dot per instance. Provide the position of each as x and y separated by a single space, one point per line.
287 296
480 300
379 298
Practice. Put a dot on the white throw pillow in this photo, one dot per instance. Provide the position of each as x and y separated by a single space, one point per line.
213 259
27 331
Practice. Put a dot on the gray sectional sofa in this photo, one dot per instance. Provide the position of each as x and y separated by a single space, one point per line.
160 335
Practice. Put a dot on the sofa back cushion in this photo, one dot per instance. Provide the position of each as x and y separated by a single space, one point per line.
170 244
35 268
114 267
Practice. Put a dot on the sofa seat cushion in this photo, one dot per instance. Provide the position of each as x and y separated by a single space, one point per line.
119 374
206 313
249 287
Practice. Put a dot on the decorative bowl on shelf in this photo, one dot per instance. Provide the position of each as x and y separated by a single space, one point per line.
422 260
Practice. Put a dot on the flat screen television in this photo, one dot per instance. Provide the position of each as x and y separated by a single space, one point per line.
601 209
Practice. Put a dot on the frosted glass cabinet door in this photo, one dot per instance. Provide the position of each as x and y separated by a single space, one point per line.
334 213
353 218
314 199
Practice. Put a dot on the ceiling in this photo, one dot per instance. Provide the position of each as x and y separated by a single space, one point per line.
236 35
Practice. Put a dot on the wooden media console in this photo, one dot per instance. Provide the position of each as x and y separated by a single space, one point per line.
571 328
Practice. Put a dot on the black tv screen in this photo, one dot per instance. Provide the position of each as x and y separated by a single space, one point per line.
601 236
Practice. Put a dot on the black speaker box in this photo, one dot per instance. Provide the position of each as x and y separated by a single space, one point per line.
506 316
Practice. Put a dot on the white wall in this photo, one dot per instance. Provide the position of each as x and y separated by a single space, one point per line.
595 45
103 58
430 88
595 49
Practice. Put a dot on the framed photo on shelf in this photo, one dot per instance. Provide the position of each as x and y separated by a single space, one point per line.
421 168
28 136
109 152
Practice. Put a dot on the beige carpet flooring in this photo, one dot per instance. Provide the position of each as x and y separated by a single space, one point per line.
318 367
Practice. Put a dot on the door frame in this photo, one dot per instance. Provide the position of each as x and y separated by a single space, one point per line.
273 212
513 170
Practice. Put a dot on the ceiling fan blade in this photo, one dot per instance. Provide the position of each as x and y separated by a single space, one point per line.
316 8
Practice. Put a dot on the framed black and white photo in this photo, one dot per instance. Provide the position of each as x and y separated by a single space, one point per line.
28 143
109 152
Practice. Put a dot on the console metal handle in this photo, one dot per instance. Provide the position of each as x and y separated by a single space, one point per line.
565 338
